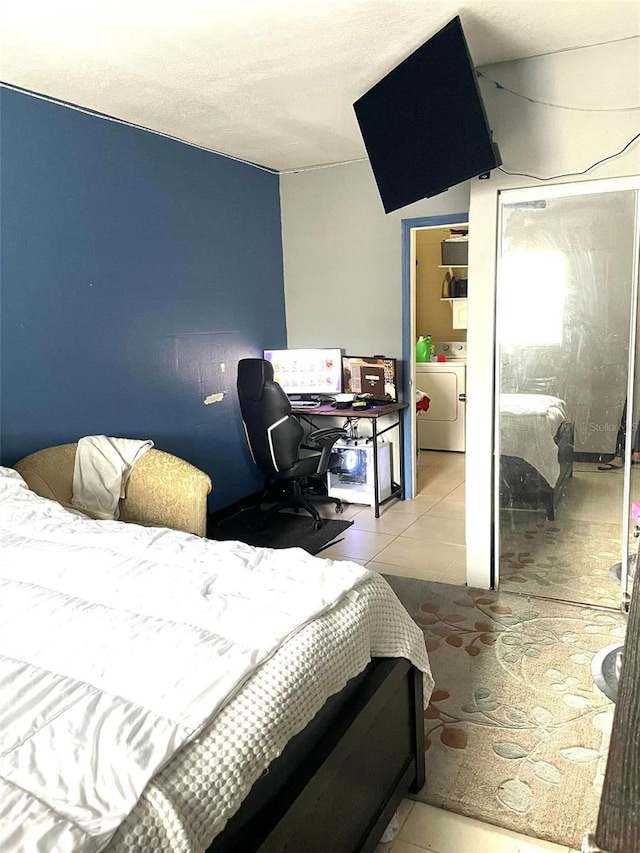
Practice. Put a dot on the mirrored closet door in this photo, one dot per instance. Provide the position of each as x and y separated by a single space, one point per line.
568 391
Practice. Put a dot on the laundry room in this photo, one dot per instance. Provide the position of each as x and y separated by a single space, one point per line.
441 331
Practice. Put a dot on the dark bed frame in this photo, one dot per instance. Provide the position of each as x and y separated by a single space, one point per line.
337 784
523 487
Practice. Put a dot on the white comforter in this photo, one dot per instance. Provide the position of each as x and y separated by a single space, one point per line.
117 644
528 425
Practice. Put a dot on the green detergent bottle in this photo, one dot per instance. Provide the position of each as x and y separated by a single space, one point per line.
423 348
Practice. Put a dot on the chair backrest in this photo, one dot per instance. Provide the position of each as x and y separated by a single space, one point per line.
273 434
163 490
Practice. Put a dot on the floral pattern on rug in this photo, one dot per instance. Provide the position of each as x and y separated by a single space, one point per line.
568 560
516 731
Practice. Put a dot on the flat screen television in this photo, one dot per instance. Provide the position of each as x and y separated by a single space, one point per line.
373 375
307 373
424 125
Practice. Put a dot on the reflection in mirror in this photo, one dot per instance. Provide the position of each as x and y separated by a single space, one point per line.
565 273
634 496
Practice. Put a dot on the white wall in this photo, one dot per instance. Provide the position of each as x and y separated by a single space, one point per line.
543 141
342 258
342 254
343 262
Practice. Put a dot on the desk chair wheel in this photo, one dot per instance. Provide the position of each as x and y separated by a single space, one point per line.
339 507
318 524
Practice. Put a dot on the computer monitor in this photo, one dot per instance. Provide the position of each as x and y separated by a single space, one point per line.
307 372
374 375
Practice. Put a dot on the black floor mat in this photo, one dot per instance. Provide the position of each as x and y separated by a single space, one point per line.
278 530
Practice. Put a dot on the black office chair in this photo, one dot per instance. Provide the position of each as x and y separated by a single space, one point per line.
275 438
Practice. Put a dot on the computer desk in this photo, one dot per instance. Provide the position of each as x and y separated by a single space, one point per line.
327 410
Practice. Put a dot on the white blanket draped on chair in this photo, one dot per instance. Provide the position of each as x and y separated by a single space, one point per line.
102 468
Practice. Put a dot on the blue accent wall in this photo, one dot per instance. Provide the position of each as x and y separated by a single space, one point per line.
135 272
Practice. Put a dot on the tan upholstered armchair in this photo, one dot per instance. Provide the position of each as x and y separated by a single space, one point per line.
163 490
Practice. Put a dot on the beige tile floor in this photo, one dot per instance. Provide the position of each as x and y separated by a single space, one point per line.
426 828
424 538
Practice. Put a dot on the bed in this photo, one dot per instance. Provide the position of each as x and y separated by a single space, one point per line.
536 451
148 701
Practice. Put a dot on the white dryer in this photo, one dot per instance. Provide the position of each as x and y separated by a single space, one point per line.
442 426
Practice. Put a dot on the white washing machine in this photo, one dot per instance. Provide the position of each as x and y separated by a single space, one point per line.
442 426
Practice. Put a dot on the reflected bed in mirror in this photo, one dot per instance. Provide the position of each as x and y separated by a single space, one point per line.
536 451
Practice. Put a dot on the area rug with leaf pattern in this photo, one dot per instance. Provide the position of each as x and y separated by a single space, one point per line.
516 732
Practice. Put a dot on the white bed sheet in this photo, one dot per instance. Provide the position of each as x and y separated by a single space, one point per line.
77 696
528 425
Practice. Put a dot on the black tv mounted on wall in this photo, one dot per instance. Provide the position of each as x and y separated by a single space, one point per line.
424 125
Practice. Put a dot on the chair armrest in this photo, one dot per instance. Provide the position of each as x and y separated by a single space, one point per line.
166 491
327 437
49 472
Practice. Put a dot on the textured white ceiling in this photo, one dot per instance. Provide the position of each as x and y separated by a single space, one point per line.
268 81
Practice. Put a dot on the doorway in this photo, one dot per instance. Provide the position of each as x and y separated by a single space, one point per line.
434 452
424 304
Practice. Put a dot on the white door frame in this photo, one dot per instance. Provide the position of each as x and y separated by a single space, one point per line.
409 229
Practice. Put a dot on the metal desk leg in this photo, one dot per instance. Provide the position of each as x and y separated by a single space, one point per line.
376 484
401 454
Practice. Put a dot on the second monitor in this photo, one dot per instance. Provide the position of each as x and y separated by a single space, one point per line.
372 375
